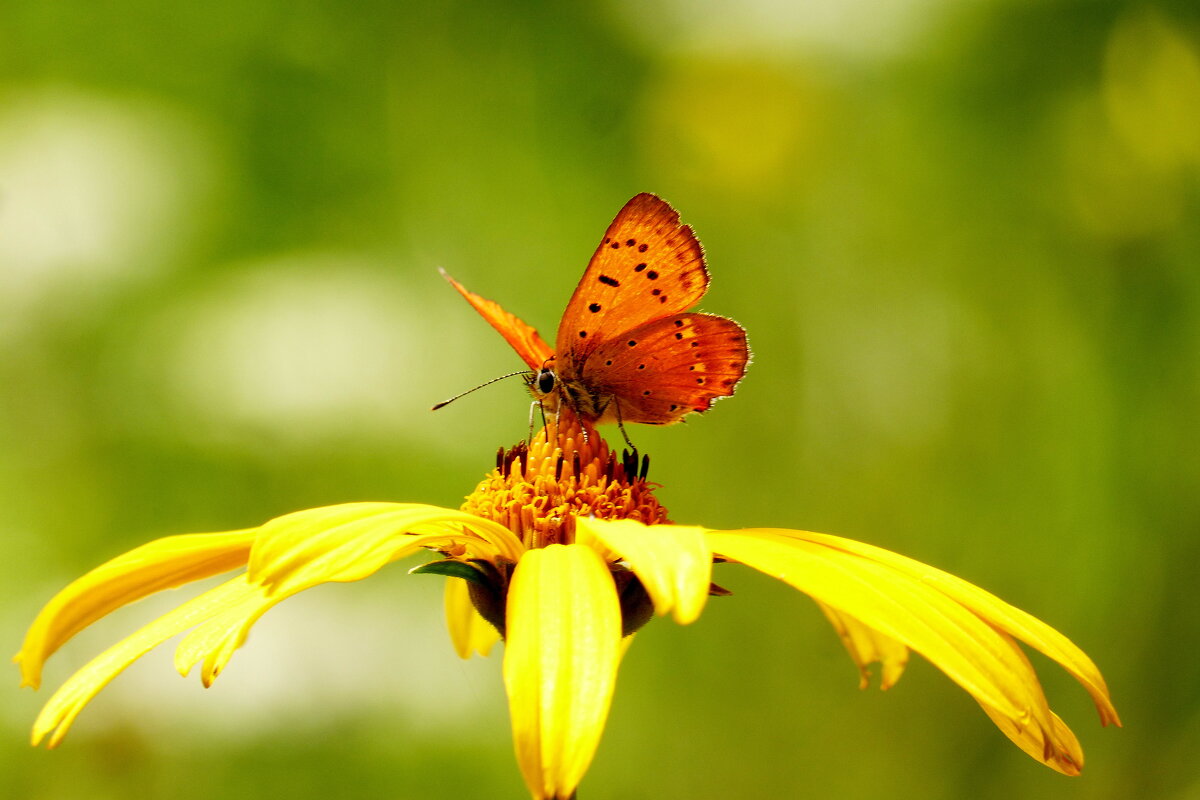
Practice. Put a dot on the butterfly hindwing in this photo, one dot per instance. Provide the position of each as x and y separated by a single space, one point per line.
670 367
648 266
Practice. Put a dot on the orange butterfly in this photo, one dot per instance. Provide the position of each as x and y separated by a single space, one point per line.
625 350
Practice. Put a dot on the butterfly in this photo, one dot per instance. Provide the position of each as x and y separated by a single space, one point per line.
627 350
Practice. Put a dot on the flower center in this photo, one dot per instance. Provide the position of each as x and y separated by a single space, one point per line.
568 470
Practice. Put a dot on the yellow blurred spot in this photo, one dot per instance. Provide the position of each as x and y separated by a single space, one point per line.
735 126
1152 90
1107 189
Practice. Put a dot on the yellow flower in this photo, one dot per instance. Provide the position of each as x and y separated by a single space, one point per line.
563 550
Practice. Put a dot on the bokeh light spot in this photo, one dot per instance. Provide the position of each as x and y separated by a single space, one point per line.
95 192
733 126
298 348
1106 190
845 29
1152 90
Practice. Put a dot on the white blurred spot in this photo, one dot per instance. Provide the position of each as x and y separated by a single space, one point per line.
856 29
94 192
298 348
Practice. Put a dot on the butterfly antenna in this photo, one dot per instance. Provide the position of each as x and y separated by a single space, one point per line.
445 403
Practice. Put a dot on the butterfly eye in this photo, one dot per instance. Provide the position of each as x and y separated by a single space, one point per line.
545 381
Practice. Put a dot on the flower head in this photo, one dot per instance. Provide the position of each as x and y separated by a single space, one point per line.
563 551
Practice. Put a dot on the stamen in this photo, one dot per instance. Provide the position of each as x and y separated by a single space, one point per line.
629 460
538 489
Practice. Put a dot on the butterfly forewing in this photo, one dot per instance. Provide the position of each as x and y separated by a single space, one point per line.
648 266
529 345
664 369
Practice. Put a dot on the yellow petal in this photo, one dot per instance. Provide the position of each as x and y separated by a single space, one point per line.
217 638
1066 757
161 564
66 703
350 541
981 659
290 554
867 646
1007 618
673 562
560 663
469 632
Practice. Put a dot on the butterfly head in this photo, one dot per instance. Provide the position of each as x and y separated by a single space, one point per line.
543 382
552 390
546 386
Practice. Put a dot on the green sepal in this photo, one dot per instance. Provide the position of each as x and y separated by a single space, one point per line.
452 568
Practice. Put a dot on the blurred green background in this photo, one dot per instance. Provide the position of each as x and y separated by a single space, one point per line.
964 240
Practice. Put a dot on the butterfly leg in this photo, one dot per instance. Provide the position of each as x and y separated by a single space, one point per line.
532 406
566 396
621 424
